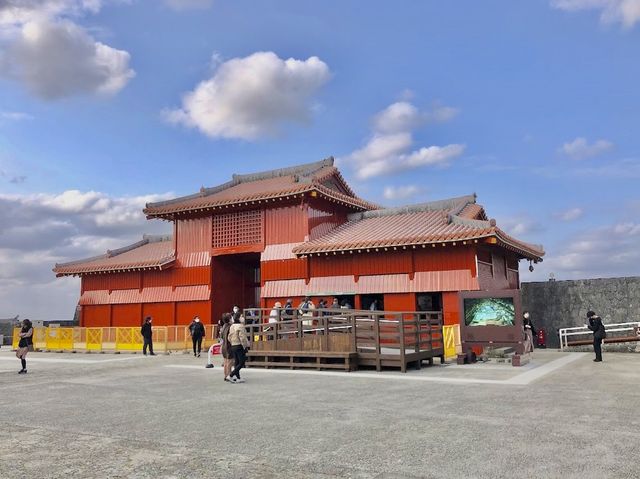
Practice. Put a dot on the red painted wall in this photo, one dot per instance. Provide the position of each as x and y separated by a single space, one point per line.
451 308
400 302
285 224
445 258
162 313
126 315
185 312
283 269
193 235
96 316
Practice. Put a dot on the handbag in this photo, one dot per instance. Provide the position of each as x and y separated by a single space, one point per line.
23 343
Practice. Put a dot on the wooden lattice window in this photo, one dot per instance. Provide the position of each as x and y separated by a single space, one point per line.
238 228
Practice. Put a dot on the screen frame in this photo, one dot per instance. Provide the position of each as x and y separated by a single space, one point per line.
492 335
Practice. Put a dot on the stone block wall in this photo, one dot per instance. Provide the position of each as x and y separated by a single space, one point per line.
562 304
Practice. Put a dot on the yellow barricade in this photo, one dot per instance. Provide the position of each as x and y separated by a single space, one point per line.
16 338
451 340
128 339
93 339
59 338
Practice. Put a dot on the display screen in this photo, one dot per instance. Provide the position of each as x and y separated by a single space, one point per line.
489 312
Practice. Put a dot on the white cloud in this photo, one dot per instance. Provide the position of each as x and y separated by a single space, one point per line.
519 226
252 97
39 230
625 12
580 148
389 148
571 214
608 251
55 59
14 116
401 192
189 4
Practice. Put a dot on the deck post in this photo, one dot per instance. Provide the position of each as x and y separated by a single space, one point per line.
377 337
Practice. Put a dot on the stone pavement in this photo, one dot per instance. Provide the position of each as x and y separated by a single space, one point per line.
130 416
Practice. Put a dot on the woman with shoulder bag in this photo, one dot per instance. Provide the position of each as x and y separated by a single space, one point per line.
26 342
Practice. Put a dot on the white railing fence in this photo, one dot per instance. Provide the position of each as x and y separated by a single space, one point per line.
583 332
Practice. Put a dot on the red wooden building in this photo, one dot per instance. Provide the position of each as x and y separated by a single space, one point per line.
297 231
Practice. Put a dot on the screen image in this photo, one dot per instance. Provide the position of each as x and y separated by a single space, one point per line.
489 312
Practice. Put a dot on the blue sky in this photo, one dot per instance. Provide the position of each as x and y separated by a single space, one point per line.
105 105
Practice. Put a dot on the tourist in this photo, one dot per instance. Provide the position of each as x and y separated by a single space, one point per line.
196 328
346 304
225 348
529 332
274 317
288 309
599 333
335 304
239 346
305 309
25 343
374 305
147 336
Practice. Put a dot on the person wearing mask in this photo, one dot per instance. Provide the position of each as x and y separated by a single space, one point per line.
305 309
147 336
239 346
196 328
25 343
599 333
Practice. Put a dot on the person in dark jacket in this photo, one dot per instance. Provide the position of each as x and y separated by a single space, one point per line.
196 328
529 332
147 336
599 333
25 343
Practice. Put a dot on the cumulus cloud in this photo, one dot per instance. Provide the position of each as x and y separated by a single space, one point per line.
401 192
580 148
625 12
389 147
519 226
55 59
252 97
189 4
40 230
571 214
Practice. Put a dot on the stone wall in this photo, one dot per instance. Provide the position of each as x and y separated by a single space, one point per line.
562 304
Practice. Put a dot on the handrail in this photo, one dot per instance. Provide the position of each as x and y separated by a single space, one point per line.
564 333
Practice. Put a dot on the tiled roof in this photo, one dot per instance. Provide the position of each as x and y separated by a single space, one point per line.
153 252
428 223
267 185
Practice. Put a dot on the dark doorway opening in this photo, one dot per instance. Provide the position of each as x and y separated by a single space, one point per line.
235 281
429 302
367 302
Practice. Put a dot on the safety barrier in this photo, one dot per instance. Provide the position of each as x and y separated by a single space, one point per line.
452 344
124 339
582 335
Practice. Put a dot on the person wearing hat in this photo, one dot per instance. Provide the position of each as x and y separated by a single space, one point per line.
196 328
274 317
147 336
599 333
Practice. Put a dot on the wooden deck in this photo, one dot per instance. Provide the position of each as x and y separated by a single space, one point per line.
347 339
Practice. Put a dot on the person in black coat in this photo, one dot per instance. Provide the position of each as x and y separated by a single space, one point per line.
147 336
599 333
197 334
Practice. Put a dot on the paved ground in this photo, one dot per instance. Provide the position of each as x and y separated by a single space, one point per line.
129 416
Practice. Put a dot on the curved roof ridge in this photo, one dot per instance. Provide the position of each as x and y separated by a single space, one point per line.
445 204
305 169
146 239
